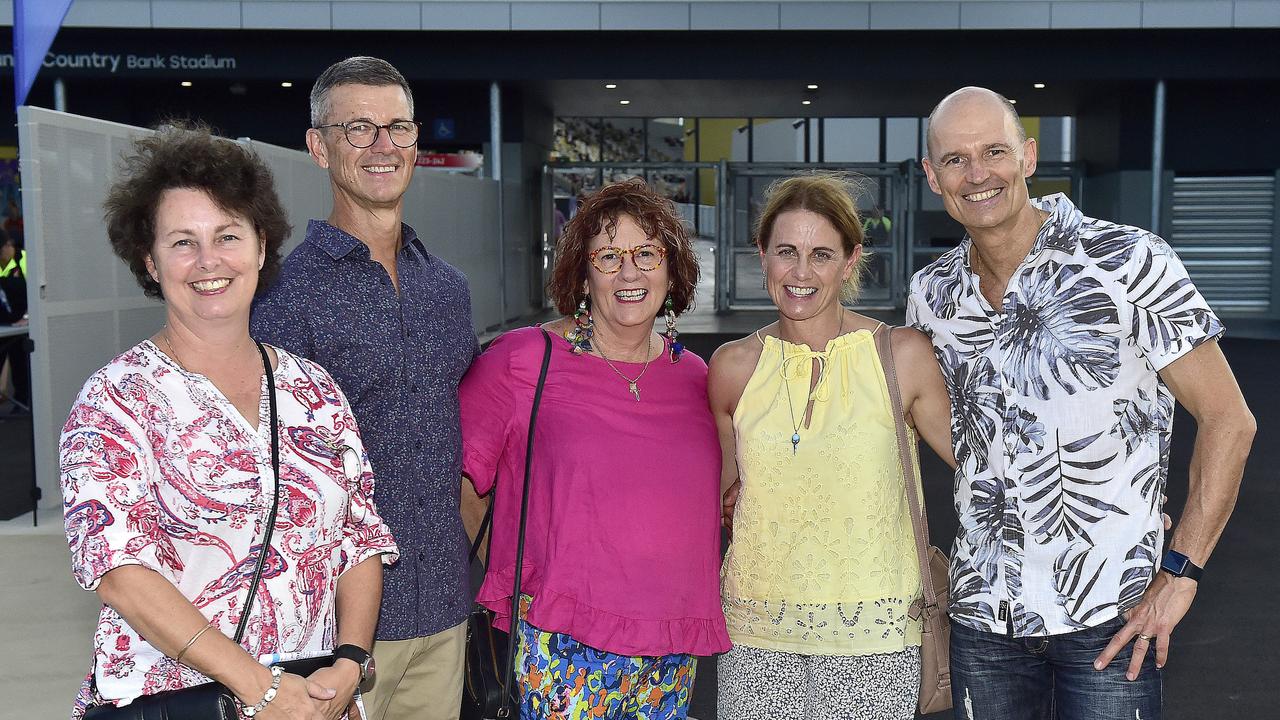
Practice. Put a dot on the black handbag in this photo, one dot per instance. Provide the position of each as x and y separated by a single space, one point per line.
489 691
212 700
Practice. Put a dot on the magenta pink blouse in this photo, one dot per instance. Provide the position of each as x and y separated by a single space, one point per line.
622 547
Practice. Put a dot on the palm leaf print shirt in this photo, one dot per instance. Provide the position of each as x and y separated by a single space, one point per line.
1059 421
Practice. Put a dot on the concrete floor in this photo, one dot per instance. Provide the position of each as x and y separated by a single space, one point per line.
46 620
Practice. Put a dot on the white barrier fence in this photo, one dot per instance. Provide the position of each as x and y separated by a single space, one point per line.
85 306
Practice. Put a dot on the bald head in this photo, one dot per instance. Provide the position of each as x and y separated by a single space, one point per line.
965 103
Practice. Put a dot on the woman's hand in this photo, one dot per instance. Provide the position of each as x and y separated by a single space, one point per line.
297 699
343 677
728 503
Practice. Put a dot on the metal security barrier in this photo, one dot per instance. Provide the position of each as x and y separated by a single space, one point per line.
882 185
692 186
722 201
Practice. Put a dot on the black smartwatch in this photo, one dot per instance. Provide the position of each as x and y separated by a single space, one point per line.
1179 565
359 656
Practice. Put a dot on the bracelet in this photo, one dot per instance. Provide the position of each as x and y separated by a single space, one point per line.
276 673
191 642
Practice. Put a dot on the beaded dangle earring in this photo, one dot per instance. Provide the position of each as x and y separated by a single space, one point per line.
583 329
670 317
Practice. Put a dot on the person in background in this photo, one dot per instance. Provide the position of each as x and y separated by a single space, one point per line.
619 580
362 296
15 361
166 460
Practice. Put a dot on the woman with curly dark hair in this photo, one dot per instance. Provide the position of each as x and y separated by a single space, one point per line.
620 575
228 528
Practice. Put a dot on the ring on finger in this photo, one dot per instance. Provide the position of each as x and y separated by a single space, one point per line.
1148 638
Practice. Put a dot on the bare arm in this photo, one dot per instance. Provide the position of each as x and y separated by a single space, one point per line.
359 594
727 375
473 510
155 609
1203 382
924 394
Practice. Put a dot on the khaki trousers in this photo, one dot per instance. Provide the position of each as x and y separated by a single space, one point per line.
419 678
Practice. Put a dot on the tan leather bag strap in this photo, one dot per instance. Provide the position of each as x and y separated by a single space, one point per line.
919 520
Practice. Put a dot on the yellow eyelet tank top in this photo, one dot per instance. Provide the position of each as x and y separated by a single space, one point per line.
823 558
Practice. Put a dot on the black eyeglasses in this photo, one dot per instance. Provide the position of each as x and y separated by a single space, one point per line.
363 134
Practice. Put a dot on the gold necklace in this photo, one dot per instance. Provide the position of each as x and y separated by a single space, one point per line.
631 384
173 353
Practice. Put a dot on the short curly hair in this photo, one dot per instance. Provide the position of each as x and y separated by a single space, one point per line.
190 156
826 193
657 217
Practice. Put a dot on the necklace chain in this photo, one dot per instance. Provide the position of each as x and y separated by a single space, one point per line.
631 384
173 353
795 427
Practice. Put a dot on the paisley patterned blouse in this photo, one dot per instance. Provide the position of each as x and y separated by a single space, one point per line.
159 469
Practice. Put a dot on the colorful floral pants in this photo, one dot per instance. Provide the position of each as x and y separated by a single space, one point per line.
562 679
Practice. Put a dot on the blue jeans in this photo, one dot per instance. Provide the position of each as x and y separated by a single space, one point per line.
997 677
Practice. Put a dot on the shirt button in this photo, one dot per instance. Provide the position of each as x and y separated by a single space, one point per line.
1008 392
422 556
413 389
422 502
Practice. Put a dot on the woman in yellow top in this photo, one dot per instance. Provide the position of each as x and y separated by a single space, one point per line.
822 569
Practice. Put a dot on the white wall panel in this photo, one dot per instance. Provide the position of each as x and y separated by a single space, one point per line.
1004 15
1256 13
297 15
377 16
109 13
215 14
733 16
915 15
555 16
826 16
1187 14
466 16
644 16
1096 15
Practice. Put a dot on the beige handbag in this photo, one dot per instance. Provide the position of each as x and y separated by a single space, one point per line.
935 643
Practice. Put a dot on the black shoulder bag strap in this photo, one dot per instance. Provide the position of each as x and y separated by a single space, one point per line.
275 496
508 681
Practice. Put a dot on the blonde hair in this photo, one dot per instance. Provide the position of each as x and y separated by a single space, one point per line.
826 193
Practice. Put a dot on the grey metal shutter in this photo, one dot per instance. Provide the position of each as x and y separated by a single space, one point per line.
1222 228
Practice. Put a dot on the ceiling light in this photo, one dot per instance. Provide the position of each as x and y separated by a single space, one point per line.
624 102
811 86
806 102
286 83
186 83
611 86
1038 86
1012 101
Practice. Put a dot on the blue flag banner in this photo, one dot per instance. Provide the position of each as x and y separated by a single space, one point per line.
35 23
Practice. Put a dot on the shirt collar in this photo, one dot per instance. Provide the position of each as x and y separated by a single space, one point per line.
1062 229
1059 232
339 243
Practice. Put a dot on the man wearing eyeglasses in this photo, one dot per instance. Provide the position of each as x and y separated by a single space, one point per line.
391 322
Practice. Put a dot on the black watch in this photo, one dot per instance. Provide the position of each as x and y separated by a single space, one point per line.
1179 565
359 656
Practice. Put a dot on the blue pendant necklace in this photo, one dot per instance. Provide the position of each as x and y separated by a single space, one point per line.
795 427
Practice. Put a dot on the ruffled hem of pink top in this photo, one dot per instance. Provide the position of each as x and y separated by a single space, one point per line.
556 612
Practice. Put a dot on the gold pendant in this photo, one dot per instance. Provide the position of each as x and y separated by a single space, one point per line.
634 390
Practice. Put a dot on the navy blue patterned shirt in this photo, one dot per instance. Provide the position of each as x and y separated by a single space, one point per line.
399 359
